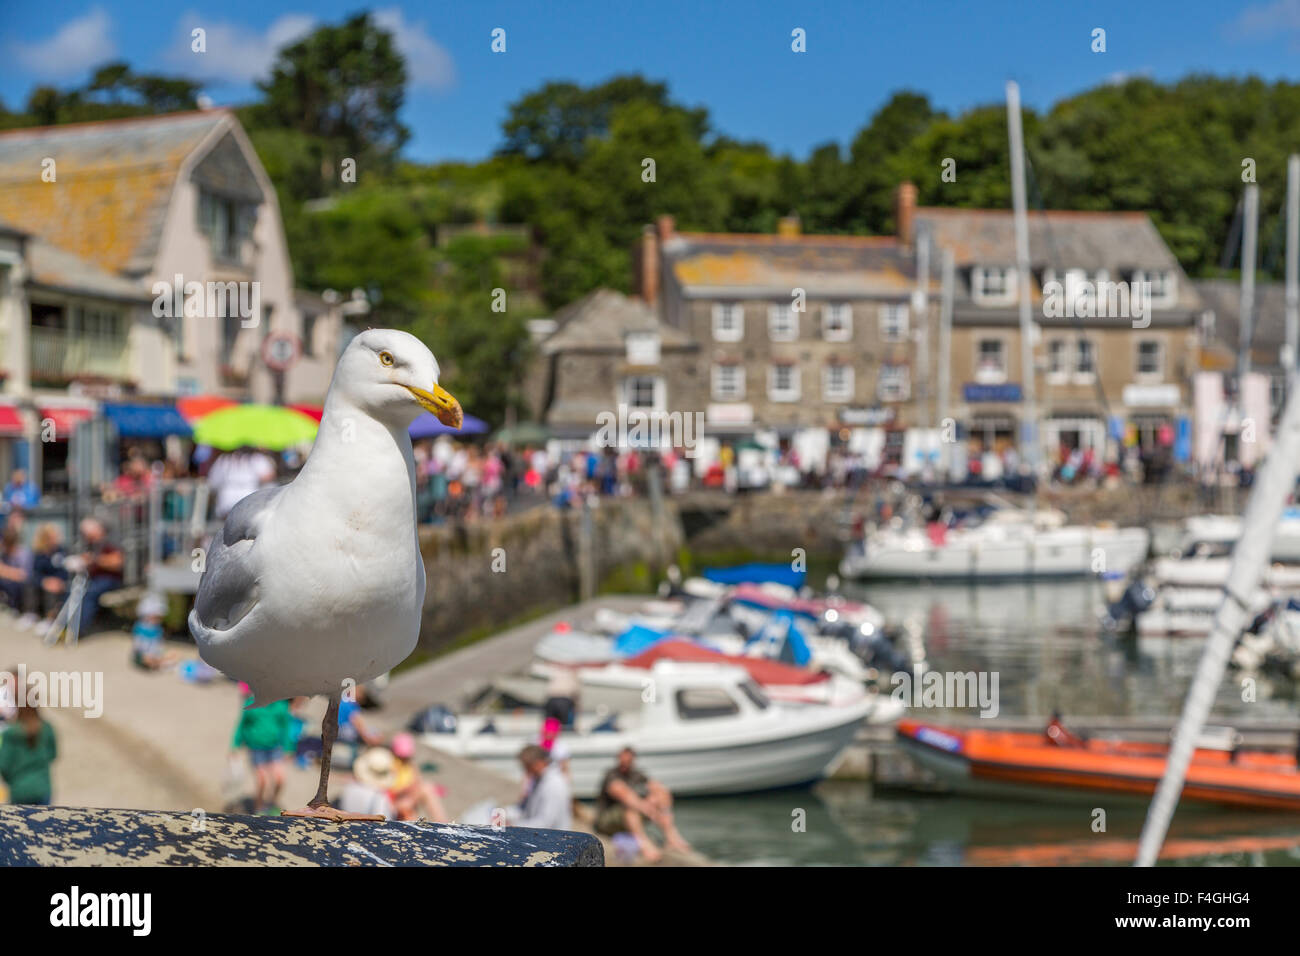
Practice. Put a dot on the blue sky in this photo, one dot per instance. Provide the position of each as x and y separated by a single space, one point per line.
733 58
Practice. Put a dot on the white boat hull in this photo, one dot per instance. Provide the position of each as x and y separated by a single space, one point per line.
1012 552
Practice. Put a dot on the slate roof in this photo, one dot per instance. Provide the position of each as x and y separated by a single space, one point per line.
1118 242
761 264
600 320
114 181
1223 298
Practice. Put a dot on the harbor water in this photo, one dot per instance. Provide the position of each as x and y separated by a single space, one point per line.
1046 644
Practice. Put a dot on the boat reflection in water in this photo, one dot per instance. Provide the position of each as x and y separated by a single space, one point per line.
1046 643
846 824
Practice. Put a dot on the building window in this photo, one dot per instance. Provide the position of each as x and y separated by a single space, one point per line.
309 334
728 383
1149 359
728 322
837 383
837 322
893 322
643 348
783 383
230 326
1058 360
1085 365
990 361
226 223
643 391
993 285
1163 286
895 383
782 323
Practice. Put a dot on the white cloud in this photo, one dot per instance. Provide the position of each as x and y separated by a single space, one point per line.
428 64
1280 16
75 47
240 54
234 53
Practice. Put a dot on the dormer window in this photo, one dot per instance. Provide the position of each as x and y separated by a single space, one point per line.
226 223
642 348
993 285
1163 286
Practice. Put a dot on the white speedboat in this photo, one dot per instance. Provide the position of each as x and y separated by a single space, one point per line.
1008 544
1200 572
1186 611
701 729
1222 531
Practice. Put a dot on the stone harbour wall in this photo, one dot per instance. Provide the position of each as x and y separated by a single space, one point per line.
486 575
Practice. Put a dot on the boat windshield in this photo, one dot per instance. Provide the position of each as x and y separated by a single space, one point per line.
755 694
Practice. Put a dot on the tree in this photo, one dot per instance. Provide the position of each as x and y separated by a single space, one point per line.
343 85
555 123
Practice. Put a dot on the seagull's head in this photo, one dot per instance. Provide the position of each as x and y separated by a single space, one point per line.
392 376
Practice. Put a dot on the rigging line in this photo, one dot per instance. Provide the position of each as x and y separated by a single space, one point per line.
1234 237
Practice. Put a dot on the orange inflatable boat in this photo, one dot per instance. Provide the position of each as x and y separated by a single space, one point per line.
1032 765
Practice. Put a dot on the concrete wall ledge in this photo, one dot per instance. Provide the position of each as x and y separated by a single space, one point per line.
79 836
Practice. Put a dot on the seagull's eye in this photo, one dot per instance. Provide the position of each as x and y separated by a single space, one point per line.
386 359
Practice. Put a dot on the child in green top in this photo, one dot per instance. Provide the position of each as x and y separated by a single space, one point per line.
263 730
27 749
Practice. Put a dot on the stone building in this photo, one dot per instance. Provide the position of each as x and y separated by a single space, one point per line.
1106 360
606 350
795 331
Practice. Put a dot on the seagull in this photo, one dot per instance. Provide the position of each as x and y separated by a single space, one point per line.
318 585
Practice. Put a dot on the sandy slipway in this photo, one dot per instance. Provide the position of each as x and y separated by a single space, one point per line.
76 836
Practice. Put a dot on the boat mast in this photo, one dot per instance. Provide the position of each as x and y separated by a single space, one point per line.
1292 269
1250 555
1019 201
1248 240
921 308
945 357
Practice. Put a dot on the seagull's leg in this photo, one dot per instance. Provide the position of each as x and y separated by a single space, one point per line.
319 806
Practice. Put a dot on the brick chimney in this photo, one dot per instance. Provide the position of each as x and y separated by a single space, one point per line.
789 226
648 264
905 211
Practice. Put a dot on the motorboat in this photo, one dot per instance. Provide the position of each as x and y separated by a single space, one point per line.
1028 765
1008 543
703 729
1212 572
616 684
1220 532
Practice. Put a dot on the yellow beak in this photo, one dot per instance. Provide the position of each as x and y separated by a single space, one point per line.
441 402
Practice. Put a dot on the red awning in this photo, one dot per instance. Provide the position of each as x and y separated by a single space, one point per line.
194 407
11 423
315 411
66 418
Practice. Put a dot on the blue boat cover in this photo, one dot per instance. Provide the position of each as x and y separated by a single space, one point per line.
146 421
636 639
757 574
782 633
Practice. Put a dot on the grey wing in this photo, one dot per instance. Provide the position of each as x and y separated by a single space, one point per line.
228 588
